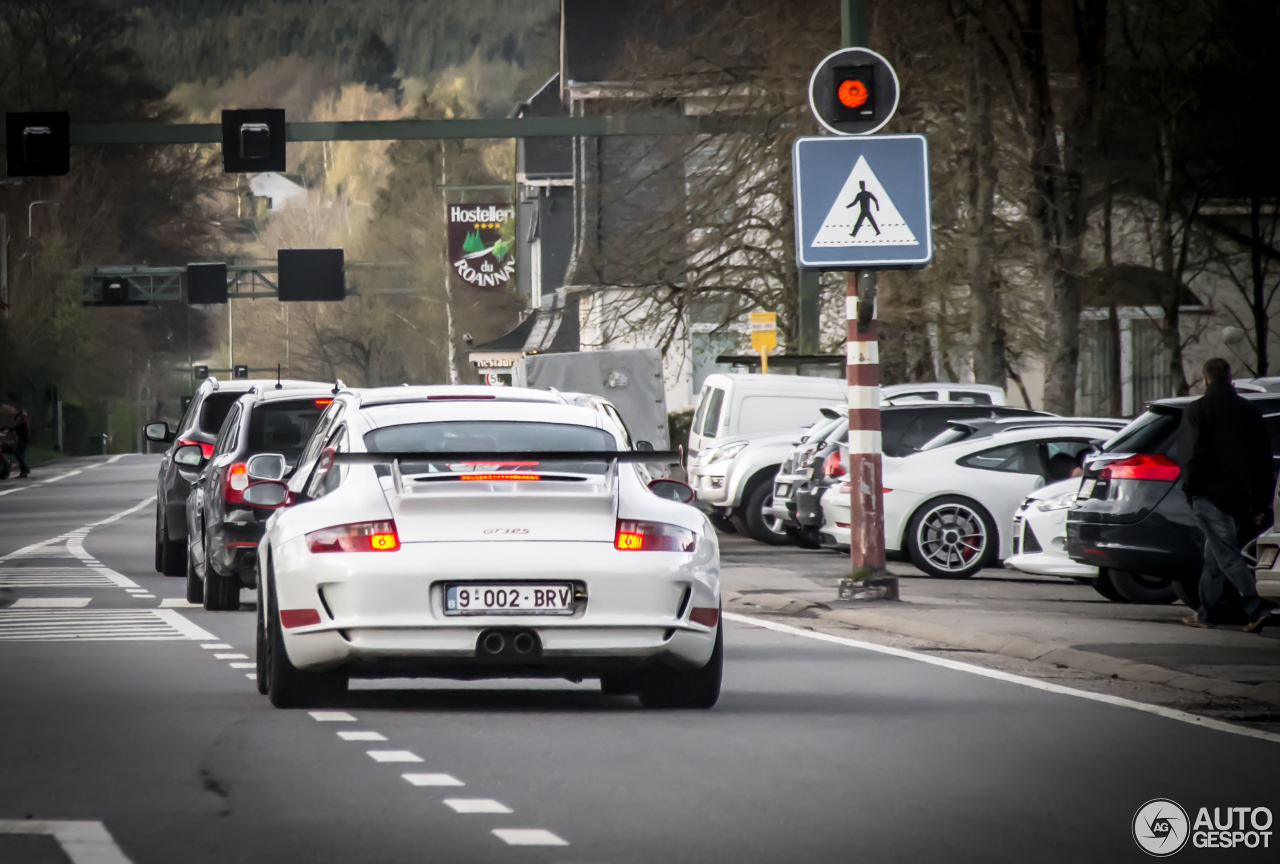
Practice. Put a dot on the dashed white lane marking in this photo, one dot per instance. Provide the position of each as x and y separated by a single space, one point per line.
476 805
51 602
319 716
252 676
94 625
145 596
393 756
114 459
528 837
362 736
243 665
83 842
433 780
53 577
215 645
230 656
136 590
1160 711
178 603
62 477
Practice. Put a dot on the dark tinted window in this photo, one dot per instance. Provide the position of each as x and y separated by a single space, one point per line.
1018 458
282 427
1152 432
1273 433
227 436
971 397
214 411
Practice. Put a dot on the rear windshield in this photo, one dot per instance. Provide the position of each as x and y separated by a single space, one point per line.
1152 432
214 410
283 427
486 436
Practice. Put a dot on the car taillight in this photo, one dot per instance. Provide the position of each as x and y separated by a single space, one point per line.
234 482
1144 466
833 466
206 449
358 537
636 536
499 476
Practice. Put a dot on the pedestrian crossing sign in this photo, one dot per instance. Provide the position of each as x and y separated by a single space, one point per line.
862 201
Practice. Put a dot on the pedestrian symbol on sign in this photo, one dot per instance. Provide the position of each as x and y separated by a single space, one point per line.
856 208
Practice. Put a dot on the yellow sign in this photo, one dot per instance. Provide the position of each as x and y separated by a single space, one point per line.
764 336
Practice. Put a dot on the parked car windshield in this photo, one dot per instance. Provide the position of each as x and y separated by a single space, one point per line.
1148 433
214 411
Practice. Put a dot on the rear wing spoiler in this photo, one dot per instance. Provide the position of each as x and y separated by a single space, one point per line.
647 457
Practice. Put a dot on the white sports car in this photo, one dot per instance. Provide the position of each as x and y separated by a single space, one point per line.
483 532
949 506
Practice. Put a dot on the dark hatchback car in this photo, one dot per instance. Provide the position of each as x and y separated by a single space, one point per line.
903 430
199 425
1131 514
261 439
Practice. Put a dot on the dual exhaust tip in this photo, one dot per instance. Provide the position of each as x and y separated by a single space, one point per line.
509 644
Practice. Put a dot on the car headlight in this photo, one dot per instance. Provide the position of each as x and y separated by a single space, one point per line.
1062 502
728 451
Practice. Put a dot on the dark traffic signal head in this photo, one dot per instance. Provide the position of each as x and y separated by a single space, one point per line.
854 89
253 141
38 143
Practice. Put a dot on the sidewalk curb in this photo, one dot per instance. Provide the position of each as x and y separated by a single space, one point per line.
1010 646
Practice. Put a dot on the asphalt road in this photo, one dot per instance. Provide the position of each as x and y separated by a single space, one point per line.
818 751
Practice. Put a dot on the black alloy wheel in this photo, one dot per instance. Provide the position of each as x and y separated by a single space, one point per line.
195 588
168 552
754 518
1104 586
698 689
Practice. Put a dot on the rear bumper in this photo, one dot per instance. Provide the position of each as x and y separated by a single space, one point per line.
1171 551
383 613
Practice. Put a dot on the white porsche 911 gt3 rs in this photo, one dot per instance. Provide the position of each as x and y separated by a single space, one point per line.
483 532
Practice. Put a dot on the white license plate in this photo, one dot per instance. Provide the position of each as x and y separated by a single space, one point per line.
1086 489
491 598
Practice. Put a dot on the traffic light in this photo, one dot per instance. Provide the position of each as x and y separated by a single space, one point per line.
253 141
200 372
854 92
38 143
240 371
114 291
207 283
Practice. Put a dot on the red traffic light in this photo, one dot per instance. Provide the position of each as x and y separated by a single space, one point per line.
852 93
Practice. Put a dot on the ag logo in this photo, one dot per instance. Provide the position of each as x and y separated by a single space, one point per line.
1160 827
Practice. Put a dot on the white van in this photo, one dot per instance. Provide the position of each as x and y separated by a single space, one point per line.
746 404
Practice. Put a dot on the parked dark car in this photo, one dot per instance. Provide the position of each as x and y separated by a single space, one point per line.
261 439
903 430
199 425
1132 519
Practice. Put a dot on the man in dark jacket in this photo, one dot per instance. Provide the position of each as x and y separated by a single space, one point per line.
21 429
1226 473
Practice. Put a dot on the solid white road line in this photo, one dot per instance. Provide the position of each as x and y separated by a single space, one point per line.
318 716
51 602
432 780
362 736
123 513
215 645
528 837
393 756
83 842
116 458
476 805
1160 711
136 590
230 656
61 477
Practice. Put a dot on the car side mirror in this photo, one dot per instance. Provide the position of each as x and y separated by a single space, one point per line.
266 466
158 432
189 456
672 490
267 494
644 446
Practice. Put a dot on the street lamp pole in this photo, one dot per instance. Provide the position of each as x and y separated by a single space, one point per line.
52 201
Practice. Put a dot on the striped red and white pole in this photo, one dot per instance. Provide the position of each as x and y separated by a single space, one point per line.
866 510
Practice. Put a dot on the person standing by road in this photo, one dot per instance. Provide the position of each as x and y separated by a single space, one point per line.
1226 474
21 428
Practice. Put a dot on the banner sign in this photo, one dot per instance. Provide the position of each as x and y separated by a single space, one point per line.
477 251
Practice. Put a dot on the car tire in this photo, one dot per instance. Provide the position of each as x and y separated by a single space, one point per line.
287 685
260 641
801 537
1104 586
168 552
195 588
698 689
759 525
941 532
221 593
1143 589
722 524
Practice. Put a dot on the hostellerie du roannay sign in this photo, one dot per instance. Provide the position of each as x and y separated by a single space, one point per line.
476 248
